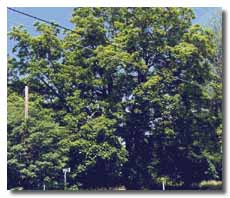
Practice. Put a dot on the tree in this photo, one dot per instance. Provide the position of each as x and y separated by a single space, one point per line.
36 149
132 87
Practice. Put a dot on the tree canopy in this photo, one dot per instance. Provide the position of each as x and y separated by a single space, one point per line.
130 97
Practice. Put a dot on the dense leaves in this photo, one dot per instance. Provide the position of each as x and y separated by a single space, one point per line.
130 98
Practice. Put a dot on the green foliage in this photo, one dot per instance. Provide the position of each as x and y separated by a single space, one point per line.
97 150
211 185
35 151
129 98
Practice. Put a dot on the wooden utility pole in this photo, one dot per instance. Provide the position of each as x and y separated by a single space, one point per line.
26 102
26 108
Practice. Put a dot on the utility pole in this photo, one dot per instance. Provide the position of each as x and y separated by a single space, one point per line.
26 107
26 102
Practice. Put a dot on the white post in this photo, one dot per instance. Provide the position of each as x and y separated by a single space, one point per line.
26 102
65 180
65 170
44 187
163 185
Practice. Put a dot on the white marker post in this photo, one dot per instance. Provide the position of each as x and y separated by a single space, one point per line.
163 185
65 170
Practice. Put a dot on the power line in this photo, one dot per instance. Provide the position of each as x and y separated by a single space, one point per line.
67 29
40 19
50 23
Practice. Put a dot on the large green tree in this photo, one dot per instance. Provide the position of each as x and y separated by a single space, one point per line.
133 91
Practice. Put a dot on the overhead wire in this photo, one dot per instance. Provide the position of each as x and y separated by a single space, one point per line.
83 47
50 23
40 19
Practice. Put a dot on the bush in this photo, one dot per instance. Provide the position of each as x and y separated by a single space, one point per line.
211 185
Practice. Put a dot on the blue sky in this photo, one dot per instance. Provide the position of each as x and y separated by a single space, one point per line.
63 15
53 14
205 14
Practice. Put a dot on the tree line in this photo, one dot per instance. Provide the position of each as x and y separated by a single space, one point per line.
131 97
